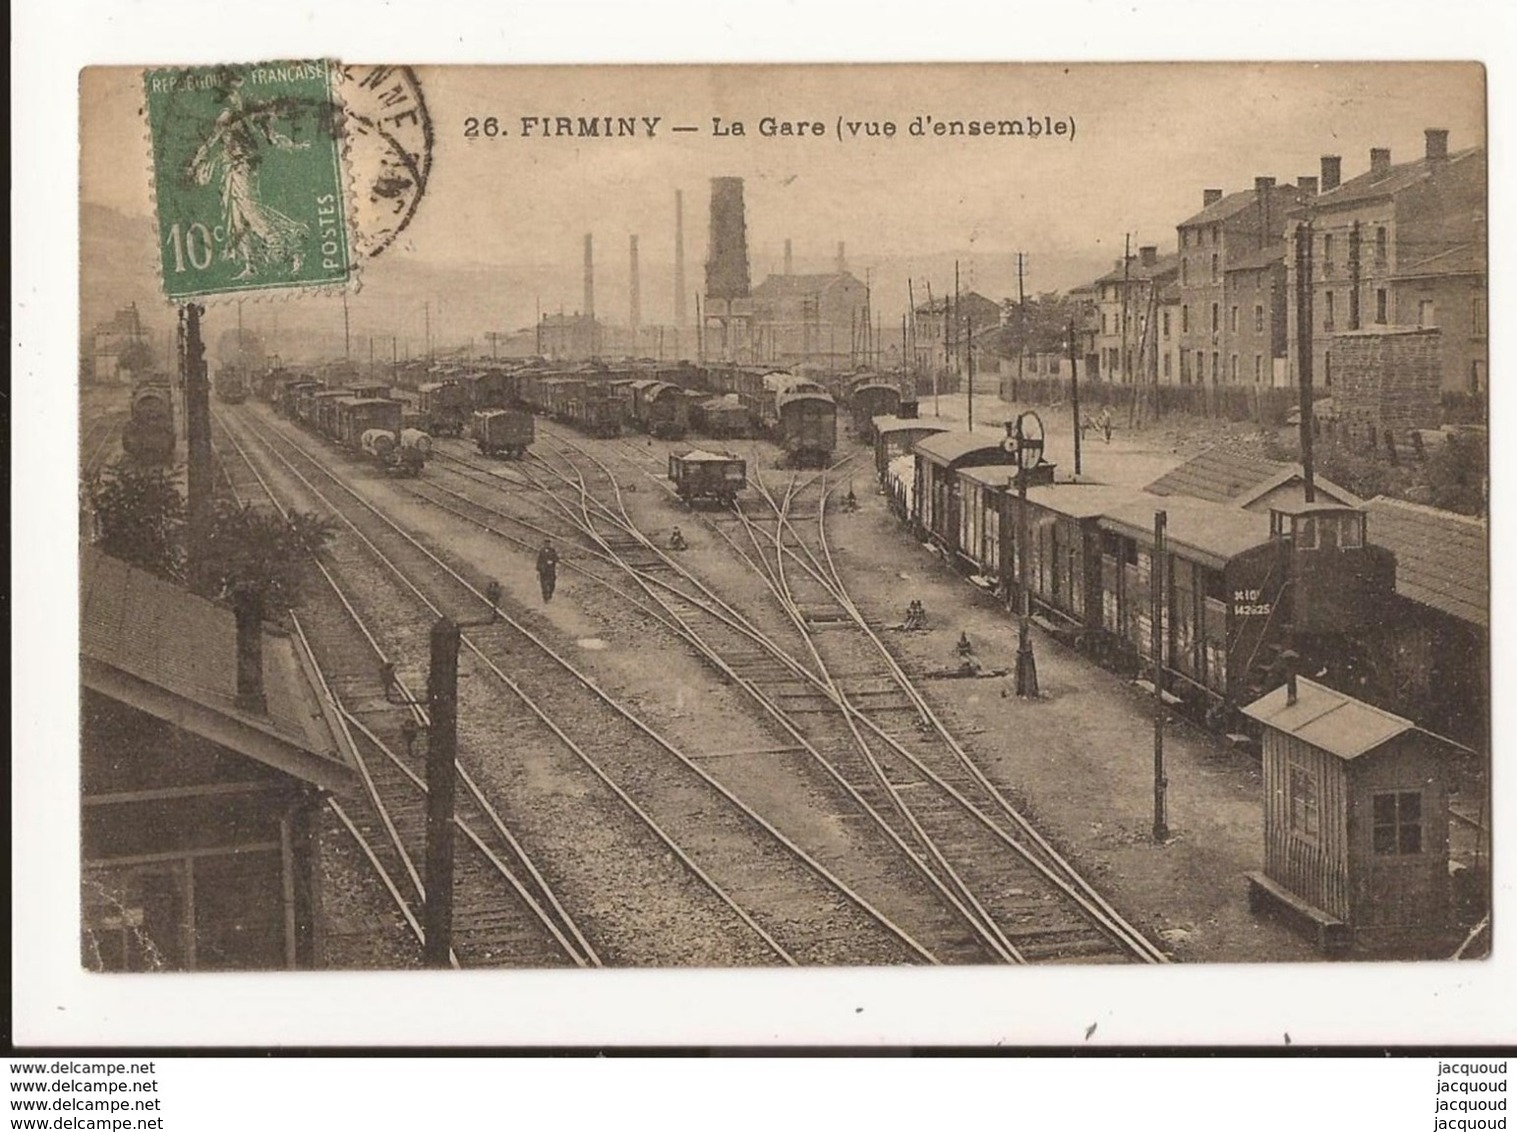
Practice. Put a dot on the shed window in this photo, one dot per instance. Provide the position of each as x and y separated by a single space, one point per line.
1351 531
1306 534
1398 823
1306 808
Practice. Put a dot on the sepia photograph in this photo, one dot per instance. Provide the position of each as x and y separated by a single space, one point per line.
738 516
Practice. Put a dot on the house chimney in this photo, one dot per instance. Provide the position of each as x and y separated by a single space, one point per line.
1262 186
1332 172
247 607
1290 659
1380 162
1306 186
636 313
1210 197
1148 256
1437 144
789 263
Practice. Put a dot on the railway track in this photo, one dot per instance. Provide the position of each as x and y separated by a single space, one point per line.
642 836
837 679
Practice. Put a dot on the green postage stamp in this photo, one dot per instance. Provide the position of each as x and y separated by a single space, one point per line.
248 169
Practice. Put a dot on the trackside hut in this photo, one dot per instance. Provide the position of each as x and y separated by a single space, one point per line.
1355 819
937 488
202 773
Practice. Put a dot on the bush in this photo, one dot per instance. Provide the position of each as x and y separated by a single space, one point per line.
139 518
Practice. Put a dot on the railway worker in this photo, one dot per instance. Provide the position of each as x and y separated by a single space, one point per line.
677 540
968 663
547 569
916 616
850 501
1105 422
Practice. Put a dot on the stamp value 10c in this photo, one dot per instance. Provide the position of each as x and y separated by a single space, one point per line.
248 169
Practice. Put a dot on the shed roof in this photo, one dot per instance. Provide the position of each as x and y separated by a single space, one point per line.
954 446
1222 475
1329 720
172 654
1210 533
1442 559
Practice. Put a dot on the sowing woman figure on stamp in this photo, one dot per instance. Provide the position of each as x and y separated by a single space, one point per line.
256 234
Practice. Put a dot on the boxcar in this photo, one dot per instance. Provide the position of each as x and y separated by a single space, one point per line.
806 427
700 474
148 436
502 431
937 491
894 438
723 416
870 400
358 415
442 405
661 409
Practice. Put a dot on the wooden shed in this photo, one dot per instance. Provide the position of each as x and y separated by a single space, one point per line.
1355 820
203 766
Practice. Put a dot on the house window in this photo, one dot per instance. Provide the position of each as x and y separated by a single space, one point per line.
1306 534
1477 376
1166 324
1215 233
1380 248
1258 318
1306 807
1232 368
1214 265
1200 365
1184 272
1353 309
1216 317
1351 531
1184 368
1103 322
1477 317
1380 306
1258 368
1167 366
1426 313
1232 320
1327 256
1216 364
1397 823
1327 369
1184 319
1329 314
1184 240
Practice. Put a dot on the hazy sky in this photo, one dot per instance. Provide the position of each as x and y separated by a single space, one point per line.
1148 139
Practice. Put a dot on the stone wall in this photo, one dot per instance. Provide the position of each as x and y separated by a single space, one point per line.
1386 380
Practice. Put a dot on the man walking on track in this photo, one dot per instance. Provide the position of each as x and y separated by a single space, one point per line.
547 569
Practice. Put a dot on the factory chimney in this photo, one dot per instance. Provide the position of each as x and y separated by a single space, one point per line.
842 263
1332 172
635 316
679 260
789 263
589 307
727 260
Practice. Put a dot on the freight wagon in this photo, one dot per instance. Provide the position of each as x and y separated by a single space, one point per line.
699 474
505 432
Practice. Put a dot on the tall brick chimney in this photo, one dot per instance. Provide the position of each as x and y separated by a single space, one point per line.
1437 144
1210 197
1306 186
1332 172
1263 188
1148 256
727 260
635 315
1380 162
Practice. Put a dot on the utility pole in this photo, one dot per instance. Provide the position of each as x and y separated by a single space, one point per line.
969 346
1021 327
1126 278
347 341
911 301
1157 568
957 365
1026 437
426 309
1304 352
442 751
1074 393
935 409
197 425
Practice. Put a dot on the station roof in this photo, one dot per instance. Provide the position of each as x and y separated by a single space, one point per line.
164 651
1442 559
1330 721
956 448
1209 533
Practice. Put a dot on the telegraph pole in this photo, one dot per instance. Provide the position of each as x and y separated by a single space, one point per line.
197 426
1074 393
1157 570
1126 276
1304 352
442 751
969 349
347 342
1021 327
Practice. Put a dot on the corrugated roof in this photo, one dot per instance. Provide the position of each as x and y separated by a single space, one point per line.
1328 720
166 636
1369 185
949 447
1442 559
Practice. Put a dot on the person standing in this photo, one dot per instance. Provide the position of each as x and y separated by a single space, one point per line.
547 570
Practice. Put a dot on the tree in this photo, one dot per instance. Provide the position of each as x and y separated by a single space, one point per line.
1457 474
139 518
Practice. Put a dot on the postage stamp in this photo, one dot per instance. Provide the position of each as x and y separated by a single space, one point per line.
248 169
